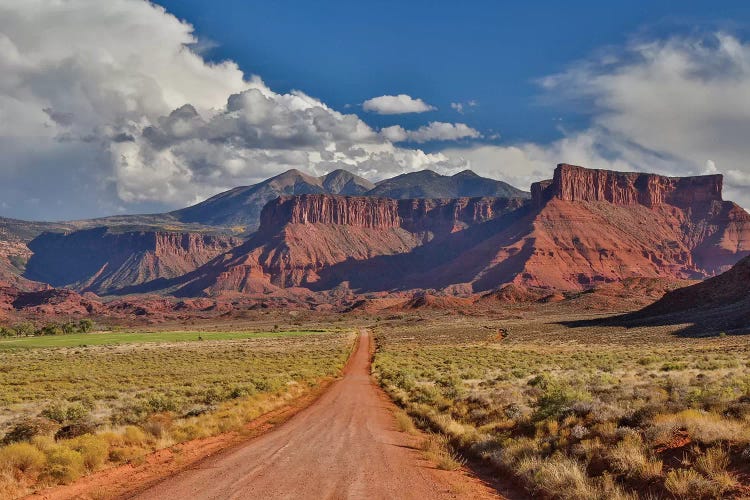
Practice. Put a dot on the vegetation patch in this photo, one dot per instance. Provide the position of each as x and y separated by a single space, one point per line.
70 411
580 416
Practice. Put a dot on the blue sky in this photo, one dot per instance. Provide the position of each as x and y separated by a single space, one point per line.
493 52
127 106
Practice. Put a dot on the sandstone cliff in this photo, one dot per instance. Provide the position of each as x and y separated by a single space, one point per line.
573 183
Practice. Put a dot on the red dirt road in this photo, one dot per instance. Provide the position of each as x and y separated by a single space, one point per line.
345 445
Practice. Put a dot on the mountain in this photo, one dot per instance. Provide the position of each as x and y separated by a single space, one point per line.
345 183
582 228
241 206
579 230
429 184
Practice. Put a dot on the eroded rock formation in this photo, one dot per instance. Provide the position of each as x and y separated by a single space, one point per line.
105 262
573 183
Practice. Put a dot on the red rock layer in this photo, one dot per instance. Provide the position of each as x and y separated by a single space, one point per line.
573 183
379 213
382 213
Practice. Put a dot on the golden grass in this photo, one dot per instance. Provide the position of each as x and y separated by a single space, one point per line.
576 413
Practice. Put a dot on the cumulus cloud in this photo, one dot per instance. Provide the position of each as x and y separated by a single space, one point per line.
396 105
433 131
668 106
93 120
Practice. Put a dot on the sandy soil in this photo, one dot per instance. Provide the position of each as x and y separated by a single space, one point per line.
345 445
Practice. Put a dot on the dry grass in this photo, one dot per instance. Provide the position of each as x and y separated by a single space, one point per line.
437 449
404 423
577 412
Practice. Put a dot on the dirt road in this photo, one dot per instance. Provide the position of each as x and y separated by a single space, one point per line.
343 446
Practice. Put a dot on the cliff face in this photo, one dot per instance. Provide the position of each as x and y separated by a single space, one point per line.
435 215
572 183
319 241
380 213
105 262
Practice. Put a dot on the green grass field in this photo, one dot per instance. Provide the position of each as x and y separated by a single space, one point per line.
110 338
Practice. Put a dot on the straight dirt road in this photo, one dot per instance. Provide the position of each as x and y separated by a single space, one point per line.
345 445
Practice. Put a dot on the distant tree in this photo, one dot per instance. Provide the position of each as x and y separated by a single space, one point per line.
7 332
85 325
25 329
51 329
69 327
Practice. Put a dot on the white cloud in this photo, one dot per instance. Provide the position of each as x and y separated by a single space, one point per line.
434 131
94 119
666 106
460 107
396 105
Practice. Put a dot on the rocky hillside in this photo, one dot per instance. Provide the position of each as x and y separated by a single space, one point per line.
107 261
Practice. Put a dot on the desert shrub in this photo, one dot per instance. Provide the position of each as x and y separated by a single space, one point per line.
159 424
64 465
122 454
705 427
24 457
714 461
687 483
556 398
558 476
630 457
133 435
61 413
93 449
404 423
26 429
75 429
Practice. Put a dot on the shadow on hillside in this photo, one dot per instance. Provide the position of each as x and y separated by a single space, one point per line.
690 324
435 264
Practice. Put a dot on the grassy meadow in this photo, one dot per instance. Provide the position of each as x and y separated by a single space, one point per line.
115 338
72 404
577 412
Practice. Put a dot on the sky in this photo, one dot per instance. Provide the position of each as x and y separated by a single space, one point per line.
127 106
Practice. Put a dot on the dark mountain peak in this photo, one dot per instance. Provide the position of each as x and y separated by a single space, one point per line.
342 181
430 184
466 173
294 176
